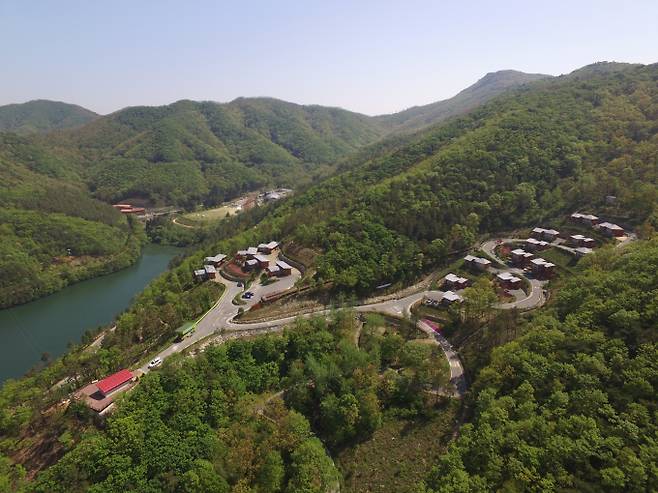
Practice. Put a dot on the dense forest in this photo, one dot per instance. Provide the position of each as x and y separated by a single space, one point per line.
568 406
556 146
216 422
189 153
571 405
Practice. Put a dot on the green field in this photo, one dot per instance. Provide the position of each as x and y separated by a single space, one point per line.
211 215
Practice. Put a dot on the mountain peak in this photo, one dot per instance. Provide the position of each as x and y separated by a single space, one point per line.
486 88
42 115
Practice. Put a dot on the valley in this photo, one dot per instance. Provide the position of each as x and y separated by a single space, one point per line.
484 268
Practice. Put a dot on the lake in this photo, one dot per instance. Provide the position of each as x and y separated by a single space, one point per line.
48 324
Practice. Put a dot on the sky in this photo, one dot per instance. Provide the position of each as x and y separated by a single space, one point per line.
368 56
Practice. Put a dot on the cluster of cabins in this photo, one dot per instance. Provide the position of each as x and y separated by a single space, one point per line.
608 229
100 395
255 258
210 266
540 268
251 259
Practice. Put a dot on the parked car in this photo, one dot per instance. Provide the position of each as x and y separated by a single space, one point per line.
248 295
240 285
157 361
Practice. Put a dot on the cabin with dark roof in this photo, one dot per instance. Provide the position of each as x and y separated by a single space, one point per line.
611 229
477 263
268 248
452 281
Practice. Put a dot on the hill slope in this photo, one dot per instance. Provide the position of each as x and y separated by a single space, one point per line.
40 116
532 155
52 233
488 87
189 152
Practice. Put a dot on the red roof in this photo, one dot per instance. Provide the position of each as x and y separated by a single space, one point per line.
113 381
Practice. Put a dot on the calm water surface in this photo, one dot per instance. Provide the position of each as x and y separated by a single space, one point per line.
48 324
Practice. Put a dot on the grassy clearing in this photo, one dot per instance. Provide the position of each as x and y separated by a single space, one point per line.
211 215
399 454
564 260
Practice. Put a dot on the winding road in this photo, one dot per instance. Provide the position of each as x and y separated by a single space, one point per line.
222 315
535 298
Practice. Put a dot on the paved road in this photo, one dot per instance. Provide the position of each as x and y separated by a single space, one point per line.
535 298
457 375
221 315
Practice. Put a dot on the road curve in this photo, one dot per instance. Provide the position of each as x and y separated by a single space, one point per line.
535 298
457 375
222 315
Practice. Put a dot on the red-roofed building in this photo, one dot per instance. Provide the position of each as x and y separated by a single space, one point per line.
115 382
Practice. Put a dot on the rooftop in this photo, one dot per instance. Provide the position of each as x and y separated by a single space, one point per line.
113 381
578 215
607 225
217 258
454 278
451 296
507 276
283 265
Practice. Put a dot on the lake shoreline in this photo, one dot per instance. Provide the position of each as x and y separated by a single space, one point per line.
48 324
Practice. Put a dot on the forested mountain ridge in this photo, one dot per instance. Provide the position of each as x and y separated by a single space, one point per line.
184 154
541 151
41 116
191 152
488 87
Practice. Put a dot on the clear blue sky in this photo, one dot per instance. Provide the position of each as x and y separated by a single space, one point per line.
369 56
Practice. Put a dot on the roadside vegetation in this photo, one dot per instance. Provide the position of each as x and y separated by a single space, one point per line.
571 404
199 424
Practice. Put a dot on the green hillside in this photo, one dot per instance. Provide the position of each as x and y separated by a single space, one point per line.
540 152
52 232
571 405
190 152
488 87
42 116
